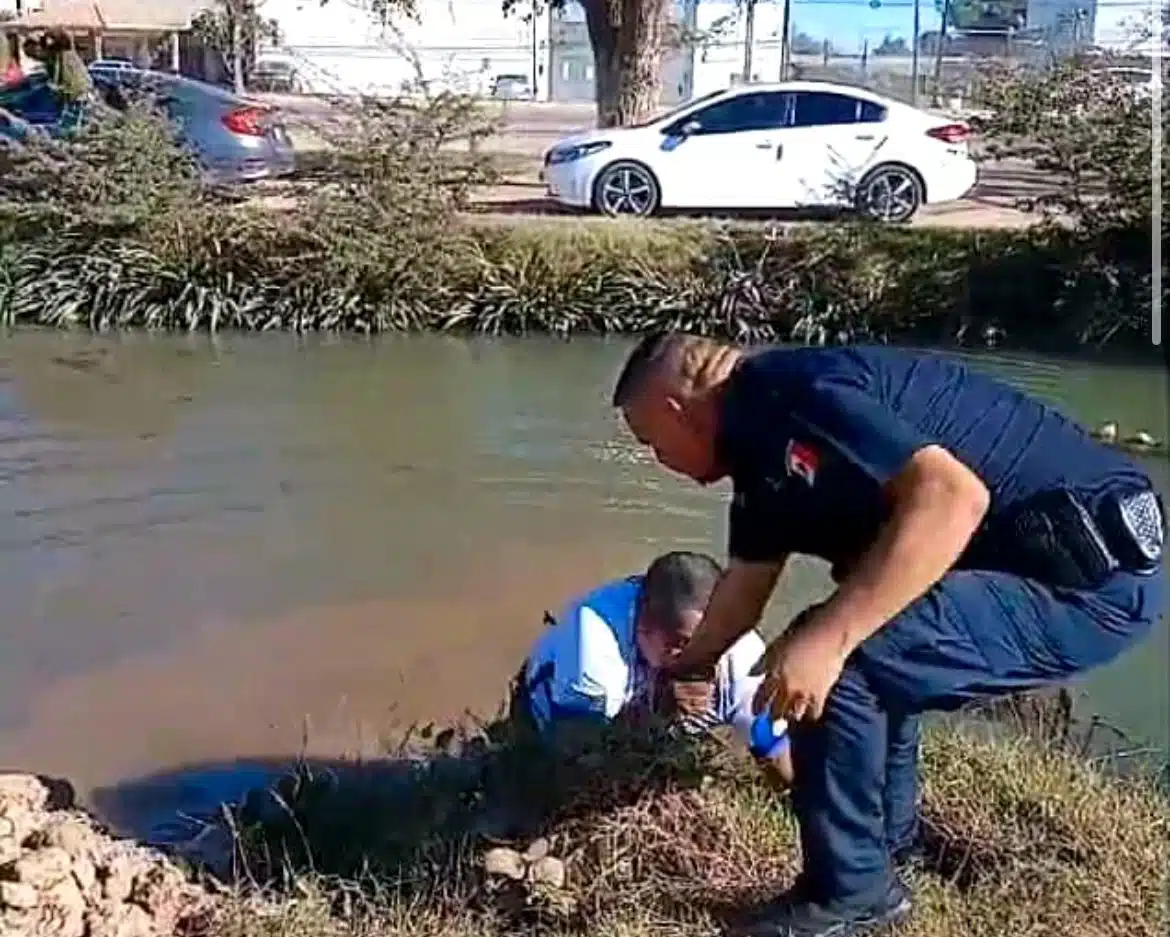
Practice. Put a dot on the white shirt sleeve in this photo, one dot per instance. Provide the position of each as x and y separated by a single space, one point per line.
591 674
741 686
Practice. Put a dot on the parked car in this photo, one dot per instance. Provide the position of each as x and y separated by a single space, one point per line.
274 75
114 61
511 88
793 145
235 140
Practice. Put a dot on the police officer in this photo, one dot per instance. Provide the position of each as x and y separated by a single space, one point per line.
982 544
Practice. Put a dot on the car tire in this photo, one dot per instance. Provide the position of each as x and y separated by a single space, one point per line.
626 188
891 193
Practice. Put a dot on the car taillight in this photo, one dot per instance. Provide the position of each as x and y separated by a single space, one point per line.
247 121
950 133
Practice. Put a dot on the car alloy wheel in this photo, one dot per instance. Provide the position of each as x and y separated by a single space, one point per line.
890 193
626 189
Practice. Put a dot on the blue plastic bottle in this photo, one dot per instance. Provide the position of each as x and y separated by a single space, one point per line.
768 737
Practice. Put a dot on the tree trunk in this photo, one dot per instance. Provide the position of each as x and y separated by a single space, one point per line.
629 40
235 16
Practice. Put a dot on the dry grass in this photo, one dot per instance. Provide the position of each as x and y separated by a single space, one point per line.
666 838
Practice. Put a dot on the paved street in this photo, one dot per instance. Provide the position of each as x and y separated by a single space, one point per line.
528 129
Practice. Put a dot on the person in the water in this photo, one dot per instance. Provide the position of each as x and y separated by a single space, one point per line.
601 658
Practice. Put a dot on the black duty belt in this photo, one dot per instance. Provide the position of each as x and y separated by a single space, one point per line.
1054 538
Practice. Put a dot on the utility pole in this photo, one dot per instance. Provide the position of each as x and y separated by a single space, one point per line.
936 97
535 76
914 56
749 37
785 39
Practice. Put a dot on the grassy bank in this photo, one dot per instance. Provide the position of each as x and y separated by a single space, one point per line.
115 228
242 269
649 837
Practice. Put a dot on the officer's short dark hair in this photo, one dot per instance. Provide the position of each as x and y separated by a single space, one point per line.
641 361
677 583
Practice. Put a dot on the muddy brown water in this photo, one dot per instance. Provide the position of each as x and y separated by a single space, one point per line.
213 551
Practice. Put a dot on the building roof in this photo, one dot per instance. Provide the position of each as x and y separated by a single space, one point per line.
152 14
68 14
107 15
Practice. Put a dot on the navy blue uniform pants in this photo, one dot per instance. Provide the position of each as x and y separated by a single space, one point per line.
976 634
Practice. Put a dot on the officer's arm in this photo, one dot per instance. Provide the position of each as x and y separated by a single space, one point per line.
936 505
758 552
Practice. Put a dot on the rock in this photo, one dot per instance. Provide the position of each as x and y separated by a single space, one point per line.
64 905
9 851
118 878
1106 432
20 822
73 834
163 891
538 850
506 863
1141 440
18 895
23 790
548 871
61 875
43 868
59 912
120 920
85 875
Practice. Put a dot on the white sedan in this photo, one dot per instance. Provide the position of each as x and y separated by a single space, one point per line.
798 144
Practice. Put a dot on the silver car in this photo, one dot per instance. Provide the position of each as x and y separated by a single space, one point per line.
235 139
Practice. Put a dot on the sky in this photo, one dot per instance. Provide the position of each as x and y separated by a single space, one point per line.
847 23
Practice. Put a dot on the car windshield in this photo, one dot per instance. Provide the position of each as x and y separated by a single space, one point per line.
679 108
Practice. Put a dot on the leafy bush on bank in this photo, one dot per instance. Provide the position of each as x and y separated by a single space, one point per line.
1088 129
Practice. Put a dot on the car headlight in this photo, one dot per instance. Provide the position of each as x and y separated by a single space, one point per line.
569 154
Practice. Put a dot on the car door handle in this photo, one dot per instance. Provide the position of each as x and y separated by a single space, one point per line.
864 136
763 146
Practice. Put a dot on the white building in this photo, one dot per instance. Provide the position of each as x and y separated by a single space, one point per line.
464 44
1116 25
460 44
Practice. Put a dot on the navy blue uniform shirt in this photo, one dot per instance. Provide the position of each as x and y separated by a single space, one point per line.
811 435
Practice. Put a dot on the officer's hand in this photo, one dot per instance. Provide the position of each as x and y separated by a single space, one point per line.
800 669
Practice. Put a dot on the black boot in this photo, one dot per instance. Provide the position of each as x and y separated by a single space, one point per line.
796 916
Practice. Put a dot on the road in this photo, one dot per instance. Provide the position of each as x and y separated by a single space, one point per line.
529 129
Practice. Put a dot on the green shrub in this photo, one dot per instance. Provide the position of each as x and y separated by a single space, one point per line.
117 173
1087 129
314 270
